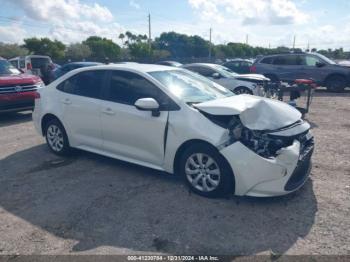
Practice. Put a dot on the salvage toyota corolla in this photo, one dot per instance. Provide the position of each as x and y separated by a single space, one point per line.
179 122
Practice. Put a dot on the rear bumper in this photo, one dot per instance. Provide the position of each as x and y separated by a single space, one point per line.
15 102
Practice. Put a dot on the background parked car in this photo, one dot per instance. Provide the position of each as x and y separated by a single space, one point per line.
34 64
291 66
69 67
252 84
17 90
169 63
240 66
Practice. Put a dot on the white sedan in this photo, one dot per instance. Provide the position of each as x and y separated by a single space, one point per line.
173 120
253 84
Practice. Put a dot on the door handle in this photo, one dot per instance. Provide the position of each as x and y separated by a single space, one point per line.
66 101
108 111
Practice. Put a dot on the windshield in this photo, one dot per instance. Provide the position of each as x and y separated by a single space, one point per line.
329 61
189 86
8 69
226 72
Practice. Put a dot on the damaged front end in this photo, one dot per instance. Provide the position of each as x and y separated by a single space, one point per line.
266 162
266 143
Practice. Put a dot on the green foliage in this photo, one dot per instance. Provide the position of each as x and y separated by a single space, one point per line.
11 50
182 46
78 52
102 48
136 47
44 46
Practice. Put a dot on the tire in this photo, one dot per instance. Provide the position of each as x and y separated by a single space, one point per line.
56 138
214 180
242 90
336 83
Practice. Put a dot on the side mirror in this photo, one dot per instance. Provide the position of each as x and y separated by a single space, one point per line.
148 104
320 64
216 76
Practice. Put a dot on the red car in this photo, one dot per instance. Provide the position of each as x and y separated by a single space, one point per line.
17 90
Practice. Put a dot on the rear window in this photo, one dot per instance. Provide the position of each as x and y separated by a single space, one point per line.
39 62
267 60
288 60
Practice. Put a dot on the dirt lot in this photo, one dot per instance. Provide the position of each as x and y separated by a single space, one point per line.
96 205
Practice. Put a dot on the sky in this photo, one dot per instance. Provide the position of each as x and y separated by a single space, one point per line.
318 24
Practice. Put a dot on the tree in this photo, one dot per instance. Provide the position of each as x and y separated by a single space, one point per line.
182 46
78 52
11 50
121 37
44 46
102 48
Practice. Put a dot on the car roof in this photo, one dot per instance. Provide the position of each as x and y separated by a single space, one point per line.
145 68
203 64
84 63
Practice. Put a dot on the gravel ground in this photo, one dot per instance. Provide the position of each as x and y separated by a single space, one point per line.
95 205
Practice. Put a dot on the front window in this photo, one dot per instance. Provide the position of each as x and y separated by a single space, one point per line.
312 60
7 69
190 87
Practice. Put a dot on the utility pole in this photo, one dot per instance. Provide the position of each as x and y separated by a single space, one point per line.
269 46
308 46
294 42
246 39
149 32
210 44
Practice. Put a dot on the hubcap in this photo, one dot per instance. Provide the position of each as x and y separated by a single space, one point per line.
202 172
55 138
241 91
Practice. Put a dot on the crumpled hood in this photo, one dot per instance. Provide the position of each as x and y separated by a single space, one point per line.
256 78
255 112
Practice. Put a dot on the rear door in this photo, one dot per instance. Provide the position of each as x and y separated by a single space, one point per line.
81 105
288 67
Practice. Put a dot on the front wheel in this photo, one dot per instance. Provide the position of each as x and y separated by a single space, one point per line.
242 90
206 171
56 138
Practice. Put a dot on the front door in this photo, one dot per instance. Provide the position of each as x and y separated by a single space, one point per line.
128 132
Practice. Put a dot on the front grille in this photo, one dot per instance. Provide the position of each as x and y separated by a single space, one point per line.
17 88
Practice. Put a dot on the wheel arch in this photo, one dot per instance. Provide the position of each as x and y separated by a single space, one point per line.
192 142
333 75
45 119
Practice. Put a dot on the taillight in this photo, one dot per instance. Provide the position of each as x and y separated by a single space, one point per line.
29 66
253 69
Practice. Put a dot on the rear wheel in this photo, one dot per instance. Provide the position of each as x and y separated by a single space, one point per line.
56 138
336 83
206 171
242 90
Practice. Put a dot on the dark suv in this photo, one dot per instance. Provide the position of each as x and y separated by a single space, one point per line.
291 66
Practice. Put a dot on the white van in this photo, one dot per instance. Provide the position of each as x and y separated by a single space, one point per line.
31 64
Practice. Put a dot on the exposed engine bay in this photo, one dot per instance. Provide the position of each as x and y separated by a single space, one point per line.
264 143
